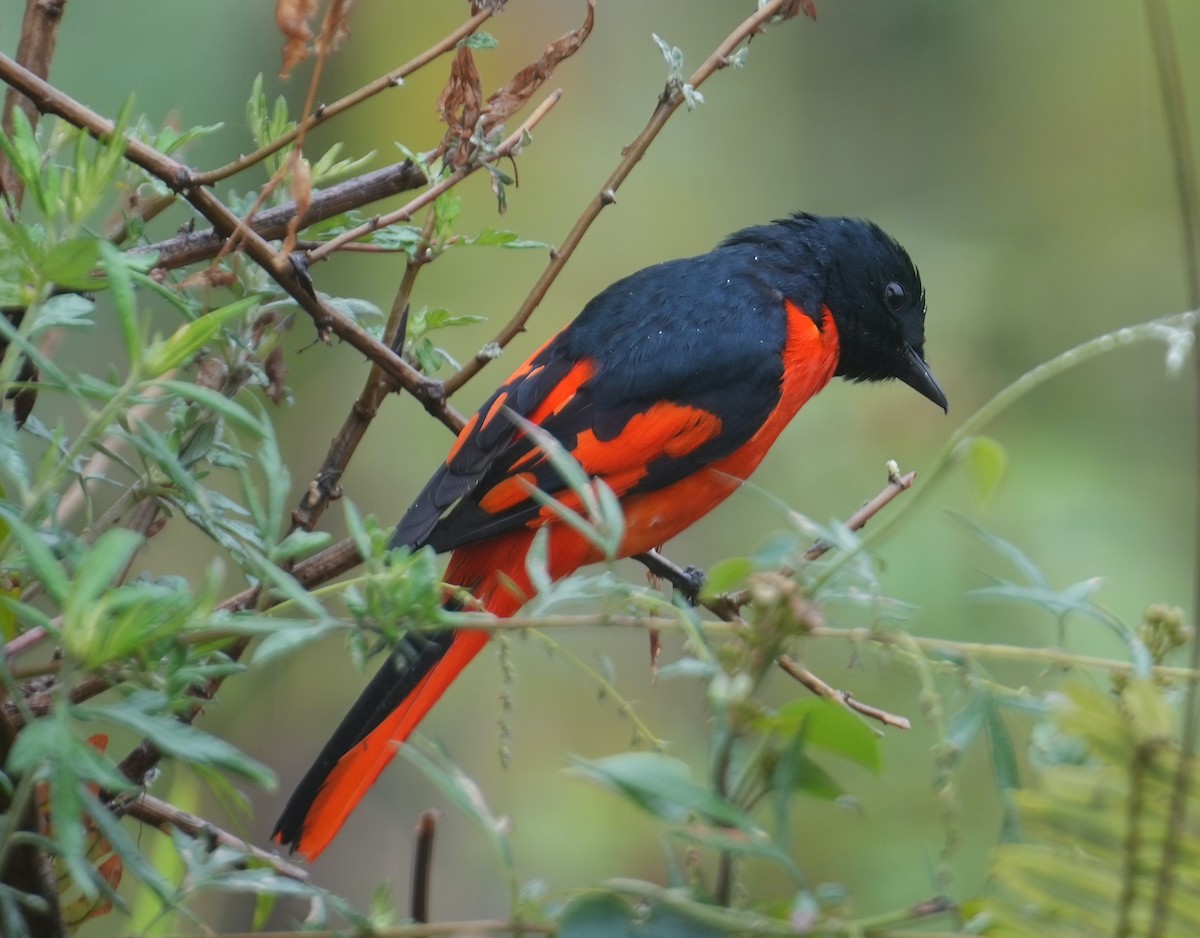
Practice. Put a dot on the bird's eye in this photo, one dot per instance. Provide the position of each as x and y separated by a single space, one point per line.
895 296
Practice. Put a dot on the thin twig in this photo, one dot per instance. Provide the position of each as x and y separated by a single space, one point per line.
423 864
509 147
1188 194
821 689
35 50
325 485
163 816
668 103
689 581
324 112
280 268
194 246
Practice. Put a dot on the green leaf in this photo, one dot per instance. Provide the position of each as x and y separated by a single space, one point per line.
66 814
597 916
453 782
299 543
357 530
496 237
967 721
186 341
100 566
986 462
216 402
667 922
124 847
828 726
69 263
23 153
446 209
38 742
120 285
143 713
673 56
662 786
63 311
726 575
289 638
478 40
1024 565
39 557
750 843
810 778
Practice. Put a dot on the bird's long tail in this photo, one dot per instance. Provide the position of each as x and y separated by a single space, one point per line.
399 696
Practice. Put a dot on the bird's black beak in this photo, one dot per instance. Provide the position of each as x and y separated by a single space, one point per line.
918 377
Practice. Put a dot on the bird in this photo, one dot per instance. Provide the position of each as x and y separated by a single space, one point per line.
669 386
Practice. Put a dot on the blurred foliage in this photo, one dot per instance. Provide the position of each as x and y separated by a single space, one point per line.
1017 148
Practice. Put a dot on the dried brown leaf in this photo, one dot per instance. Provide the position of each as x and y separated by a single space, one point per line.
209 277
335 28
301 177
291 18
460 104
796 7
512 97
276 371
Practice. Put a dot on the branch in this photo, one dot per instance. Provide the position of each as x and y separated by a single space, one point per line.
323 112
510 147
423 864
161 815
39 36
1166 57
326 484
668 103
271 225
282 269
843 697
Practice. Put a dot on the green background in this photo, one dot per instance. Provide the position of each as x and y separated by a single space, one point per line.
1018 150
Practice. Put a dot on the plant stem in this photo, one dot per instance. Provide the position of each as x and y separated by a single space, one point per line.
1166 58
1166 328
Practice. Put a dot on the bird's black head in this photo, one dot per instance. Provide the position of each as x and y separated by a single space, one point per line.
870 287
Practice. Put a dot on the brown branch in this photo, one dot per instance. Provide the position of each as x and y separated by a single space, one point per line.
510 147
689 581
668 103
896 484
325 485
271 225
163 816
324 112
280 268
842 697
35 49
423 865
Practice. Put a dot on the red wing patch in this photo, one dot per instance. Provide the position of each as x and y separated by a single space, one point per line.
560 395
663 429
509 492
